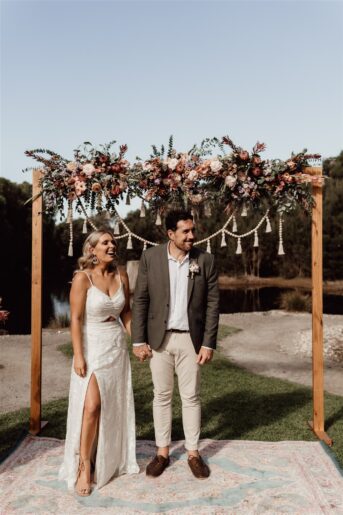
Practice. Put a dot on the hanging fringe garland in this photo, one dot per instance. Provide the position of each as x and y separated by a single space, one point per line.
239 247
281 251
129 243
99 201
208 248
158 218
70 211
84 227
70 221
116 227
244 210
268 226
255 239
223 242
145 246
234 224
142 212
128 202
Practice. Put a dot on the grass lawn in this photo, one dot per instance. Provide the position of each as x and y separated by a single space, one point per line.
236 404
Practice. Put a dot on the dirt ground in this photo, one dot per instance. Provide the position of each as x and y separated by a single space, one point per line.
272 343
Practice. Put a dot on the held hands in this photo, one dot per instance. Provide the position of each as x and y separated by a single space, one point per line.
80 366
204 356
142 352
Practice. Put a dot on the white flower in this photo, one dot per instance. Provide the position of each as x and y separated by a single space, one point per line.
88 169
71 166
230 181
193 175
194 268
216 165
172 163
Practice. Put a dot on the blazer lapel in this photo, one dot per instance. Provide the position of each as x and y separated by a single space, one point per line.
190 286
165 268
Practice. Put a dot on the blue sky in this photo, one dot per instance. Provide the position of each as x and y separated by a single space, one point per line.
140 71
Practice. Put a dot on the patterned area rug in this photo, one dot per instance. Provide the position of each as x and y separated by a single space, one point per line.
247 477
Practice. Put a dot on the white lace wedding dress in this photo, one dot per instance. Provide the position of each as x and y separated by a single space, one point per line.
107 357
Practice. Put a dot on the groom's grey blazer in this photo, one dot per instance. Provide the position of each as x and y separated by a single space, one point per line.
151 299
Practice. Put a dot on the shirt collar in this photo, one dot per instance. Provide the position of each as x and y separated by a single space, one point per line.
171 258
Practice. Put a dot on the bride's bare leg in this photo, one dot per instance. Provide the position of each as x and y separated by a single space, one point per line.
91 413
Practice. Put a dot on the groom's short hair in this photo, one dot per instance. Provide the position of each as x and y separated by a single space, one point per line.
174 216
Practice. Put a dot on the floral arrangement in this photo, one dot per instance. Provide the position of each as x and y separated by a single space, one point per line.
245 178
90 175
191 178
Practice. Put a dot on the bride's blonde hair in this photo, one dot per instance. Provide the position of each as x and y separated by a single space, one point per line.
86 260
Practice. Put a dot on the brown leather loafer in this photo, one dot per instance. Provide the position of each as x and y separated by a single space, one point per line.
198 467
157 466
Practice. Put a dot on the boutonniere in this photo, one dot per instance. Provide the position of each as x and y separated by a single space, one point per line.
194 268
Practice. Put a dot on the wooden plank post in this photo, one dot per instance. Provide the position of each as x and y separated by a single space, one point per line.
36 306
317 425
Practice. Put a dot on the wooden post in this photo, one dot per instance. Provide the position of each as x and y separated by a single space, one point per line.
36 307
317 425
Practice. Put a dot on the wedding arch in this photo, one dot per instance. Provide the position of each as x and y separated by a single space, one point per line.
97 179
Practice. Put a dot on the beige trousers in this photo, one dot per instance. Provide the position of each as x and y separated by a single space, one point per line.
176 354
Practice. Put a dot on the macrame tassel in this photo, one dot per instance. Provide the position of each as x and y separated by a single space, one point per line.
268 226
239 247
281 251
208 248
234 224
223 242
128 203
145 246
71 237
129 243
107 215
116 227
207 210
244 211
142 213
70 211
158 218
84 227
256 239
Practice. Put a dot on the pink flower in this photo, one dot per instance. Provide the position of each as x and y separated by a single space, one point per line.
88 169
96 187
80 187
72 166
244 155
216 165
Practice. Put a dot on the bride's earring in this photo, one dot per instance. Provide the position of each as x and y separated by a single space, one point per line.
95 260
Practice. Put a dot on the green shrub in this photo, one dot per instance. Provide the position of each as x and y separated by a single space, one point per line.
295 301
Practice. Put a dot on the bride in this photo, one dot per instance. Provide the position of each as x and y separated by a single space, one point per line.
101 419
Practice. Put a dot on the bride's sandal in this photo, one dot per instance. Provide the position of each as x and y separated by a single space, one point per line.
86 490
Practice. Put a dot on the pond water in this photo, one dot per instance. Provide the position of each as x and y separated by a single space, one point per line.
243 300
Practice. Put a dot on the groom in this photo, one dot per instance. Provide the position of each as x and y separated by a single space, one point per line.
175 323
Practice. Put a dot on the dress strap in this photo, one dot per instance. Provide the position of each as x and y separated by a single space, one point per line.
88 275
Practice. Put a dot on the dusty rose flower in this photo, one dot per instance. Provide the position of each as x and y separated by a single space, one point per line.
256 171
256 160
72 166
216 165
80 187
123 185
172 163
241 176
71 195
230 181
115 190
244 155
180 167
71 181
88 169
96 187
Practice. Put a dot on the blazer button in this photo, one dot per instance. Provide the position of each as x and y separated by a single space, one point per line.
167 305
